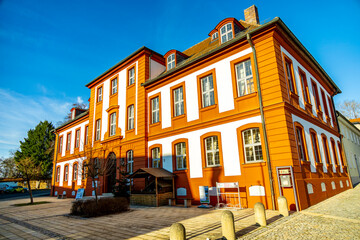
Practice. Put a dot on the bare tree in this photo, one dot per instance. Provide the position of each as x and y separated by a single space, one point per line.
8 168
29 170
350 109
95 166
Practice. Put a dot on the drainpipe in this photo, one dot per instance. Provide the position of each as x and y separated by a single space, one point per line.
55 161
263 122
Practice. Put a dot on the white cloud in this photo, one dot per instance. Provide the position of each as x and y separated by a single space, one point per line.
20 113
79 100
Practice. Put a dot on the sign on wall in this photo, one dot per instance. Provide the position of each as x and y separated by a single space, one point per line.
80 193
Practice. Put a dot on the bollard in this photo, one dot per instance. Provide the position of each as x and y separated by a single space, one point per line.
227 225
283 206
177 232
260 216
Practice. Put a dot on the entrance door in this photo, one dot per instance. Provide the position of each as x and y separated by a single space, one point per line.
111 176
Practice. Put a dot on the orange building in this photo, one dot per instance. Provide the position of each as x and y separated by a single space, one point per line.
247 107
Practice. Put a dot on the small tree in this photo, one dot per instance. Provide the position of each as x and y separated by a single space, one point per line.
8 168
29 170
350 109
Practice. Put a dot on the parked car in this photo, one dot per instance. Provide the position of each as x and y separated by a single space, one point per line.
16 189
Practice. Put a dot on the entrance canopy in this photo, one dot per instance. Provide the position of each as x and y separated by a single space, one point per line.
156 172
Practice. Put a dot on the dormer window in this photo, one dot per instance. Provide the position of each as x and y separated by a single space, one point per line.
215 36
171 61
226 32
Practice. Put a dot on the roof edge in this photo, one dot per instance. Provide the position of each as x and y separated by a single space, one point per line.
73 120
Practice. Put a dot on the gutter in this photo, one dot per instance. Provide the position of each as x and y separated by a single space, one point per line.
54 162
263 121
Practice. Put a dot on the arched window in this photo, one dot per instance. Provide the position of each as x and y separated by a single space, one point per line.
326 148
66 173
226 32
75 171
129 161
155 156
212 151
310 188
341 184
58 174
333 185
333 148
300 142
315 145
252 145
180 151
323 187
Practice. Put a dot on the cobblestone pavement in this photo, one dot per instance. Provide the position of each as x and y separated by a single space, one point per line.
335 218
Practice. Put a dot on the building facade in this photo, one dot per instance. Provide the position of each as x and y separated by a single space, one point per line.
248 105
351 142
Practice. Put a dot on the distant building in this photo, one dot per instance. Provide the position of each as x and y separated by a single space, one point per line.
351 142
248 106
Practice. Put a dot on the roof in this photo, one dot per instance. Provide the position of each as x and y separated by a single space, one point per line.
121 62
208 47
339 114
73 120
156 172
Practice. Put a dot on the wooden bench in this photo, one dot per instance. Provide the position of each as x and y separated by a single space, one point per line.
187 201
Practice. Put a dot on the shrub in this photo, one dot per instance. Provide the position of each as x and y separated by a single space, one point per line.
104 206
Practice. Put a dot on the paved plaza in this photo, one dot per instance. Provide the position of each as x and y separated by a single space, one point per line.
335 218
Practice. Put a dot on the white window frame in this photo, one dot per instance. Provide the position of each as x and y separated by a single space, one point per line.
68 142
61 139
130 161
300 143
155 110
180 153
131 76
99 93
114 86
75 171
77 138
112 124
213 151
226 33
244 78
207 92
155 157
66 174
170 60
58 174
178 101
98 129
131 117
252 146
215 35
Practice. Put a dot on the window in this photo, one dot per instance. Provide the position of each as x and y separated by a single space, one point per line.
131 74
77 138
325 103
130 161
323 187
75 172
170 61
98 128
252 145
333 148
66 173
304 86
300 143
341 156
316 95
84 170
331 110
99 94
180 151
131 117
178 101
326 149
207 91
214 36
68 139
244 78
155 113
333 185
113 124
289 78
310 188
58 174
226 33
86 134
96 166
212 151
155 156
315 146
60 145
114 86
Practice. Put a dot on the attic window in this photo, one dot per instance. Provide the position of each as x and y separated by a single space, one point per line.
226 32
215 36
171 61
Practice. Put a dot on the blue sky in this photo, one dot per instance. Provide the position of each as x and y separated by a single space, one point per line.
49 50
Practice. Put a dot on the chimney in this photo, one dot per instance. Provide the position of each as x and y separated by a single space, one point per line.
251 15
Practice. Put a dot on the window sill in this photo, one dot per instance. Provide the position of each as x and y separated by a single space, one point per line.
250 95
98 103
113 95
212 167
130 86
255 162
295 97
130 130
155 124
181 171
208 108
179 117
